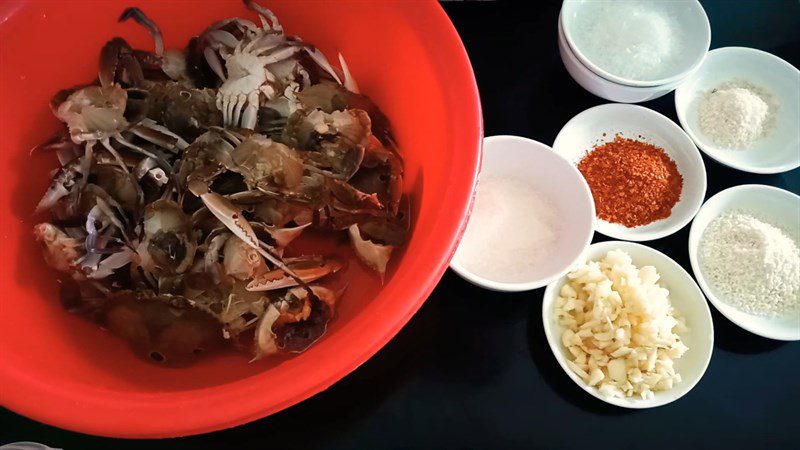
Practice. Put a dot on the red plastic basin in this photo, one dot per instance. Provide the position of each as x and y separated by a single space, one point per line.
62 370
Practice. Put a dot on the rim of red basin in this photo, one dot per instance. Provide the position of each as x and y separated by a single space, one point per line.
45 402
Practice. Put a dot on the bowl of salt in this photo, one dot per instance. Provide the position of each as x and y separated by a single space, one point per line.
642 43
532 217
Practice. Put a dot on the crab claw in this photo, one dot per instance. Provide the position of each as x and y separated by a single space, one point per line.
376 256
233 219
352 198
307 268
118 54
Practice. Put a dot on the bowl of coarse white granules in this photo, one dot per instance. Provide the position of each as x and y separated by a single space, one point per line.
742 107
744 250
532 218
641 43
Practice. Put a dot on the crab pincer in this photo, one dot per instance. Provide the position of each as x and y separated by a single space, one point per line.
230 216
307 268
116 57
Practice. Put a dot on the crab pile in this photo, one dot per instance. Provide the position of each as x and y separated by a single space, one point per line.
186 174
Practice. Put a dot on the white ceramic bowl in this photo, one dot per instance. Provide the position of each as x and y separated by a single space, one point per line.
777 152
685 296
776 205
584 131
555 178
603 88
695 29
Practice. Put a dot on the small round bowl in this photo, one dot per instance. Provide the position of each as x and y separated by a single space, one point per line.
600 124
603 88
694 25
685 296
557 179
776 205
777 152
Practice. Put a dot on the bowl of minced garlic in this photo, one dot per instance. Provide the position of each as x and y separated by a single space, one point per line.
629 326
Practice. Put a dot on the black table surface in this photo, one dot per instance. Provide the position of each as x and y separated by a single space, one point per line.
472 368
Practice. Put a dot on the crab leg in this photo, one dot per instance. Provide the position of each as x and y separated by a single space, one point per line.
322 61
140 18
155 135
86 166
268 18
243 25
349 82
264 43
138 149
115 154
282 54
241 99
213 61
232 136
250 116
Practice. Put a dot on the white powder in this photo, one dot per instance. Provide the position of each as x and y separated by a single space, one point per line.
512 230
752 265
736 113
630 39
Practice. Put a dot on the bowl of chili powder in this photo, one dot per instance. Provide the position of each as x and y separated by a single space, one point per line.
647 177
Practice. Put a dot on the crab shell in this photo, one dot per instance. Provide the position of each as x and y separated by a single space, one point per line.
375 256
170 243
60 251
282 330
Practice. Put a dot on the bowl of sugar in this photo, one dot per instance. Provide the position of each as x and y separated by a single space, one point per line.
742 107
531 220
637 42
743 246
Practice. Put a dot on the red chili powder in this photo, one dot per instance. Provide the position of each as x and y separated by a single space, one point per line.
633 183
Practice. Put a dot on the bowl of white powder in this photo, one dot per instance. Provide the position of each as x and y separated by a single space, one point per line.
532 217
742 107
743 246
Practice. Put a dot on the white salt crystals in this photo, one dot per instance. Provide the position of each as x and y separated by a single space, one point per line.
736 114
637 40
511 232
752 265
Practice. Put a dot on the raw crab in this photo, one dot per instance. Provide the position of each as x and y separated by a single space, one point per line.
258 64
186 176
